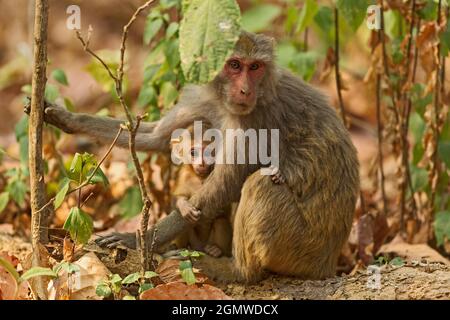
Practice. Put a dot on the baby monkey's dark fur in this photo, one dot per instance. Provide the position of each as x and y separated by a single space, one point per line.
296 228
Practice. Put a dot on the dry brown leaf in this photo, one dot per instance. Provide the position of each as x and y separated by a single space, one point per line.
182 291
83 283
8 285
169 271
412 252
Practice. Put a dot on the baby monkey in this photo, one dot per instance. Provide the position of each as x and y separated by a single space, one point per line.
211 236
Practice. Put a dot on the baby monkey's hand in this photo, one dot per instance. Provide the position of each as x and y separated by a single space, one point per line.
188 211
277 177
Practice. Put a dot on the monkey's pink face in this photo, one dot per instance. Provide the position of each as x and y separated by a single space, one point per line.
244 78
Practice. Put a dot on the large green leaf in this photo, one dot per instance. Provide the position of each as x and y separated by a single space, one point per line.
131 204
353 11
37 272
260 17
79 224
208 32
442 227
307 14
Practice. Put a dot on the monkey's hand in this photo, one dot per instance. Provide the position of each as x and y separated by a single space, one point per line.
117 239
54 114
188 211
277 177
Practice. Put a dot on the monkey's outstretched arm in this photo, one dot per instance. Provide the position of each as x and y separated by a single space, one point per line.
150 136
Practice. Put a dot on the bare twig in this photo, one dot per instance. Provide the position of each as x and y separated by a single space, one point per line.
39 232
403 121
436 104
380 143
132 126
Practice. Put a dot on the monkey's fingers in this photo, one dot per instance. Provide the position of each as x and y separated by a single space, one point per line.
115 244
102 241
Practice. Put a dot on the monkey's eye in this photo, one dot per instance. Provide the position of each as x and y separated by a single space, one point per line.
254 66
194 153
234 64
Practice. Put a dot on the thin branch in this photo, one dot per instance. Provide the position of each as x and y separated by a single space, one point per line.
436 103
39 232
380 144
132 126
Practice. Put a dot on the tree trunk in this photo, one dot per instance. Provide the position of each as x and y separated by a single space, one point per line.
39 231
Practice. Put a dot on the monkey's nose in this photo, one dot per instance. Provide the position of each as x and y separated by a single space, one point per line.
245 92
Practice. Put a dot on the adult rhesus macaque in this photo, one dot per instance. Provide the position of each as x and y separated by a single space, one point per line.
296 228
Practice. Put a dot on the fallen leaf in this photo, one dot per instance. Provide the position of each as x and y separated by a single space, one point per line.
182 291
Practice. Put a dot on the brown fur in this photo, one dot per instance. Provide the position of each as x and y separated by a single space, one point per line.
296 228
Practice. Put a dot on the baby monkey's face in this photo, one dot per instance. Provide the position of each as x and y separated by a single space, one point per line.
200 164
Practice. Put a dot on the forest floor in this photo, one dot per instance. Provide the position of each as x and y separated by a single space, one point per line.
414 280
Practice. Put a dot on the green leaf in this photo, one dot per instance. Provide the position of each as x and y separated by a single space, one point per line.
23 151
169 94
10 268
131 278
99 73
99 177
307 14
325 21
397 261
304 64
152 26
51 93
260 17
445 41
69 104
208 33
116 279
131 204
442 227
21 128
145 286
4 199
60 76
128 297
103 290
285 53
38 272
419 177
353 11
150 274
147 96
64 187
186 272
17 190
172 29
79 224
444 152
77 164
66 266
167 4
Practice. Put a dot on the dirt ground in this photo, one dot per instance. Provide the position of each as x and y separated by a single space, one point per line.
415 280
